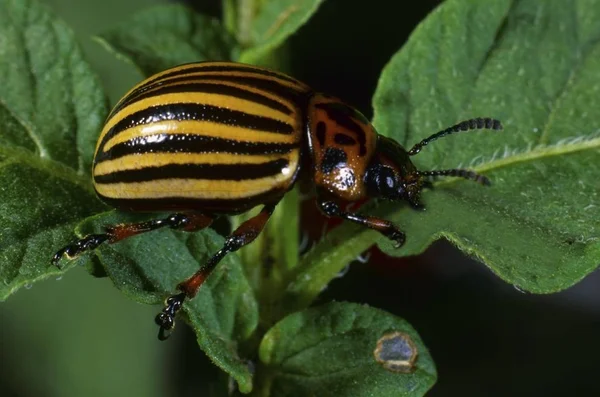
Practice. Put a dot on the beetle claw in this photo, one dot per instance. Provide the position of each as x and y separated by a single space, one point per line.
397 237
166 318
57 257
166 323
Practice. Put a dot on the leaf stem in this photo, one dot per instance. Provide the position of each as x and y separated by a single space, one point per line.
318 267
230 16
271 259
245 16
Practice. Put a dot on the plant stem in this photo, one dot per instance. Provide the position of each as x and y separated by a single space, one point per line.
318 267
246 13
230 16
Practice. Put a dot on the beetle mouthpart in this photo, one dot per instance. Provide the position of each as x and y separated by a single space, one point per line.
465 174
413 198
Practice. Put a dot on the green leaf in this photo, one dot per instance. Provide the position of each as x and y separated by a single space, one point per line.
534 66
164 36
51 109
41 204
223 314
537 225
47 87
330 350
268 26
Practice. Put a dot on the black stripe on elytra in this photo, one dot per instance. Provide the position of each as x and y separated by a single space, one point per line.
231 172
196 111
271 86
343 116
208 88
321 131
224 68
191 143
212 206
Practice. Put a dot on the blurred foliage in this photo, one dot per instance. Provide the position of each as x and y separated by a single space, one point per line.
73 336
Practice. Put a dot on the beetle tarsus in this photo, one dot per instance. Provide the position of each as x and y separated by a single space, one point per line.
87 243
386 228
397 237
166 318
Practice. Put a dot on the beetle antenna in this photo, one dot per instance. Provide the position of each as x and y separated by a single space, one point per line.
467 125
466 174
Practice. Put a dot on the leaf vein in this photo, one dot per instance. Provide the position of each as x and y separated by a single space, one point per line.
565 146
34 138
47 165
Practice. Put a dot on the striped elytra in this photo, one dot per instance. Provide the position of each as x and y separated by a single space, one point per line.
213 138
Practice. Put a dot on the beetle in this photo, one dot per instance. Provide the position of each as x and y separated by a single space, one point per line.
219 138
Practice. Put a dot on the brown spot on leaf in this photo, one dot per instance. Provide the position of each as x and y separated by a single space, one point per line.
396 352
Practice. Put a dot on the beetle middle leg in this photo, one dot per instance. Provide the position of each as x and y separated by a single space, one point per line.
189 222
243 235
385 227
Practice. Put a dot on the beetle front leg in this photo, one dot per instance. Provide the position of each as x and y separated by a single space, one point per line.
243 235
387 228
189 222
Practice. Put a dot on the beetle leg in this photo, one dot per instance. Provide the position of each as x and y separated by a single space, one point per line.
188 222
243 235
387 228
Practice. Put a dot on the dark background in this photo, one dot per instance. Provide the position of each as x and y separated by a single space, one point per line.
80 337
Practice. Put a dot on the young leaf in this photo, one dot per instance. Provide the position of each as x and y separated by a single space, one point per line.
164 36
272 24
343 349
223 314
51 108
534 66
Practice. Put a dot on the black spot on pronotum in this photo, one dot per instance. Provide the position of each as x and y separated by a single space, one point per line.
321 130
343 139
344 116
332 159
396 352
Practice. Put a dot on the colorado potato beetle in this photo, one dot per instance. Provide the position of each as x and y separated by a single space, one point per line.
219 138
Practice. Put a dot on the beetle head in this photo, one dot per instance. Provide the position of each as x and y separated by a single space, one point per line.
393 176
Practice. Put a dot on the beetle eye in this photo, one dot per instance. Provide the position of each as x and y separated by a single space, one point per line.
390 182
387 182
